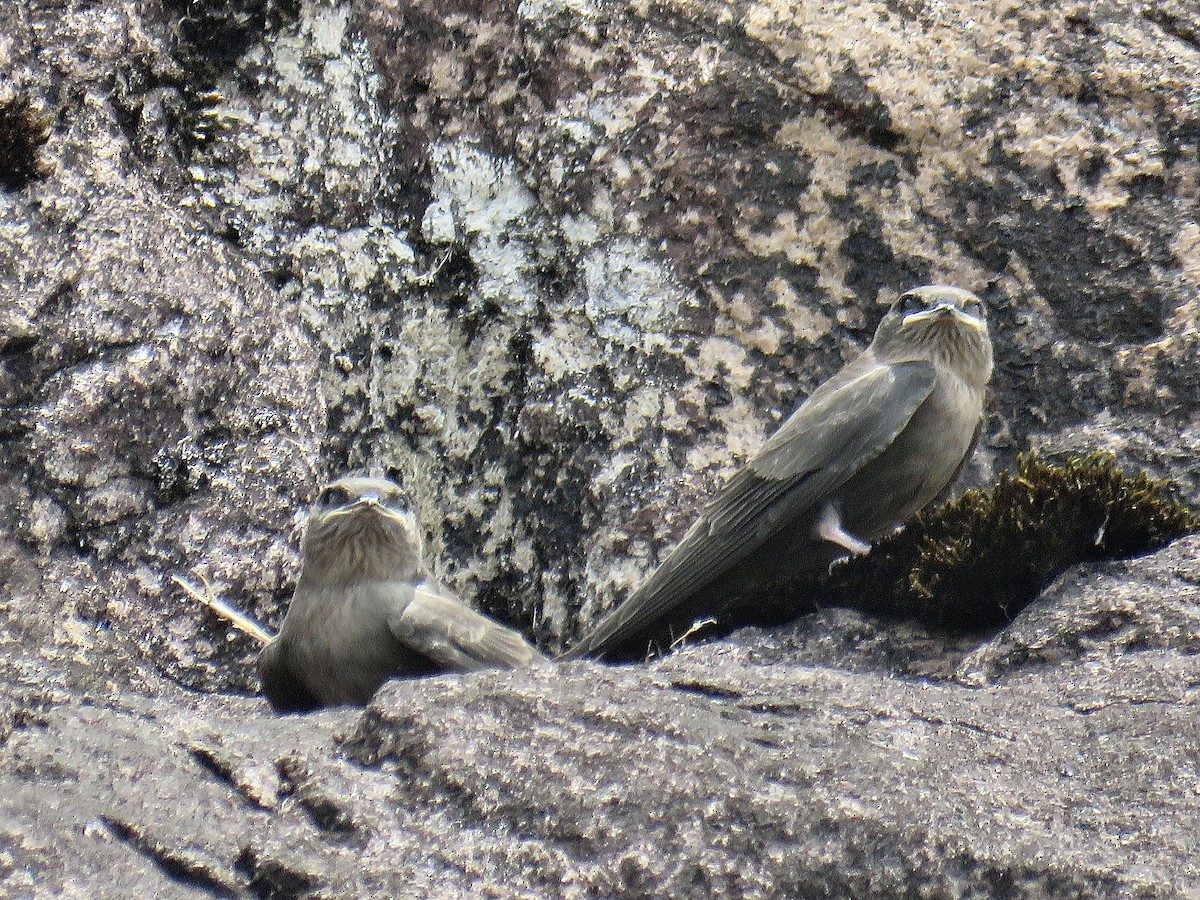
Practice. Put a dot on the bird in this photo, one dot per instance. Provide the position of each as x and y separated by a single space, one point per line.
365 608
881 439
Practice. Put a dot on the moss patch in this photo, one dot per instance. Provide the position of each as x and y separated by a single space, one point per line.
974 563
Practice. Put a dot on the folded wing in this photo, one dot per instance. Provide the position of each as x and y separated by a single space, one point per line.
448 632
842 427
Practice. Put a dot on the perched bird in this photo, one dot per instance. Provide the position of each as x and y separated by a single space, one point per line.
873 445
365 609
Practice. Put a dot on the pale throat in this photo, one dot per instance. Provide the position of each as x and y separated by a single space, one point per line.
355 551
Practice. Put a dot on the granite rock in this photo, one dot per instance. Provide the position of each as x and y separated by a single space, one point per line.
559 266
806 761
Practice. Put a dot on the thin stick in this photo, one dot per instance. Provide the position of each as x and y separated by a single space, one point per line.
238 620
699 625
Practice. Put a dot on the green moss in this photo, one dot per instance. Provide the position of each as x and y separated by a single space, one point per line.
23 130
974 563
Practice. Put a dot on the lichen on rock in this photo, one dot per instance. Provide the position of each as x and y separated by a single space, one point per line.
560 266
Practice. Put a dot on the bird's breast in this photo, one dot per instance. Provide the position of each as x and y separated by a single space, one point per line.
917 466
338 641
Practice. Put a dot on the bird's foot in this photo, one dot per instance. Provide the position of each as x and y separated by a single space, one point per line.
837 563
829 528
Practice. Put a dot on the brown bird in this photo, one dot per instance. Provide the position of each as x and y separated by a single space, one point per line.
872 446
366 610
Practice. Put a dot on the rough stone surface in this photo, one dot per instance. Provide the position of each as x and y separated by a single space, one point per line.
1062 761
559 265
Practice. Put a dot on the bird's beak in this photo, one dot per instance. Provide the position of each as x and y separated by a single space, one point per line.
943 313
365 502
381 511
370 503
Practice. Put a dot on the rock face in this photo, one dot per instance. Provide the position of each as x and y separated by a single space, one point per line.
1061 759
559 267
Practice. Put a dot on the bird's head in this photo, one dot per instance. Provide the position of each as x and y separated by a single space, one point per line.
943 324
362 529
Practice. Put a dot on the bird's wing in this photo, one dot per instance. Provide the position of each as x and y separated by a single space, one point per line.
280 686
842 427
840 431
445 630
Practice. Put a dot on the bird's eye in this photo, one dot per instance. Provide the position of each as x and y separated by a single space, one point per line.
333 495
974 308
910 303
396 500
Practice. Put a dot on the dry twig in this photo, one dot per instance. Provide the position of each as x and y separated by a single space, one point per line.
238 620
